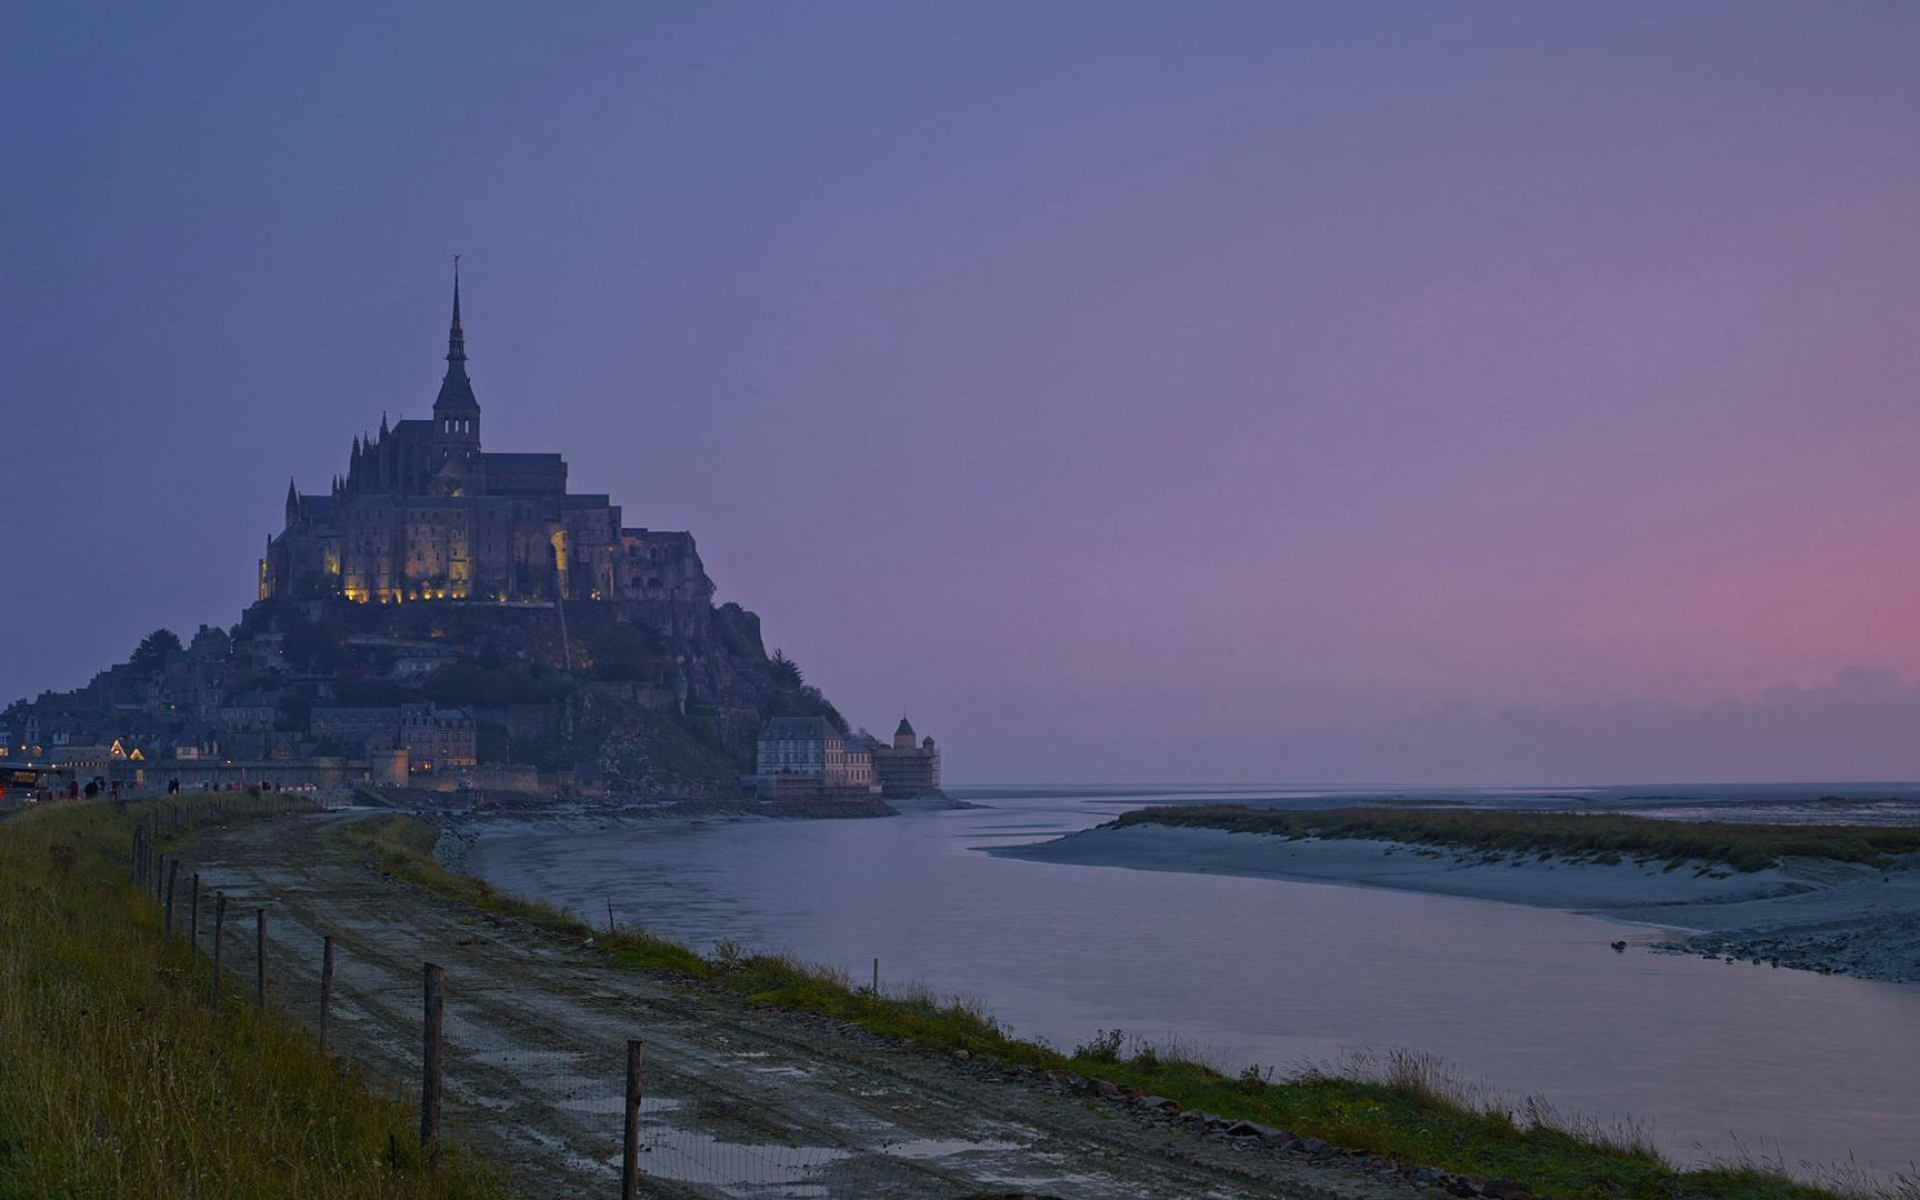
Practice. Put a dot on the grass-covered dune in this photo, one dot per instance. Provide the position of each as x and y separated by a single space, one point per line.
119 1077
1399 1107
1600 837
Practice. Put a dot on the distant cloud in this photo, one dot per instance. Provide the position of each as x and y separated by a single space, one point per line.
1863 724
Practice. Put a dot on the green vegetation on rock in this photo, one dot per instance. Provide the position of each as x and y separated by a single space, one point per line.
1598 837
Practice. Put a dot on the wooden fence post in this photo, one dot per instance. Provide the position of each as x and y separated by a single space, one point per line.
260 961
430 1067
326 988
219 929
173 872
630 1154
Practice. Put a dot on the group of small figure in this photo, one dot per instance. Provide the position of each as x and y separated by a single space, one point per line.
99 786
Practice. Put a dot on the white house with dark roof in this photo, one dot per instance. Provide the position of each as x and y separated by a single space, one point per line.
809 756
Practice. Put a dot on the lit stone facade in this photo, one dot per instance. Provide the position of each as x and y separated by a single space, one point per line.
423 513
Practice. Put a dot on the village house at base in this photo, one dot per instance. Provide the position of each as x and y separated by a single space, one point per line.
806 757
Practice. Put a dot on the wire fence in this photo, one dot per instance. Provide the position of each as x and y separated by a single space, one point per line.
589 1108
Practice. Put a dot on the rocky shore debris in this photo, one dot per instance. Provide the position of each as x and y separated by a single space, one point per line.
1884 947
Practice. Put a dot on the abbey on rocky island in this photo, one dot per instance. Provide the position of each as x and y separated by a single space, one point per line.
452 619
423 513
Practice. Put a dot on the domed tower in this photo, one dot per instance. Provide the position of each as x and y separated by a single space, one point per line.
907 768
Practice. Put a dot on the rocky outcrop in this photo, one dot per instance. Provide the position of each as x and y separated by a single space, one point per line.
631 708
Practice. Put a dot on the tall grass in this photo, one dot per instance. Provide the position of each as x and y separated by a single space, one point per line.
118 1078
1434 1081
1602 837
1404 1107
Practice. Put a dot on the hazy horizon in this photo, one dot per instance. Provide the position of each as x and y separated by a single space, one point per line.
1439 393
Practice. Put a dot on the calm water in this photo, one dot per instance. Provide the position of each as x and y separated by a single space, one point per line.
1711 1056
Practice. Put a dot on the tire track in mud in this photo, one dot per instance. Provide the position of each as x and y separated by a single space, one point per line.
743 1102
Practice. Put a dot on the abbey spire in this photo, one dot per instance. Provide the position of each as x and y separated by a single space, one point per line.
455 411
456 337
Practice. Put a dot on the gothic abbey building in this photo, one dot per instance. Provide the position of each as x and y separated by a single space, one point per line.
423 513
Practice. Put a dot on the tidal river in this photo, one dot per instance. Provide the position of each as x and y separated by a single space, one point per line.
1712 1059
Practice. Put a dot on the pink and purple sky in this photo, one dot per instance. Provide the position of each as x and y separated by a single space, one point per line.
1322 392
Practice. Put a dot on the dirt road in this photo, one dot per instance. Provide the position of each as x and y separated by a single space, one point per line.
741 1102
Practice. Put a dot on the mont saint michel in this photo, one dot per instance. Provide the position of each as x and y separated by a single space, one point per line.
447 618
960 601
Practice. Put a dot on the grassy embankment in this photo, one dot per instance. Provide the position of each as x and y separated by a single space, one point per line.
1401 1107
1596 837
118 1076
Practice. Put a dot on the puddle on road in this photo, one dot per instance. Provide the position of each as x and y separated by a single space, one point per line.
735 1167
785 1071
1051 1173
930 1148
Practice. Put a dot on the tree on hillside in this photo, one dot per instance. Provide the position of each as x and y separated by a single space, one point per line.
151 654
464 684
785 671
315 646
295 712
369 693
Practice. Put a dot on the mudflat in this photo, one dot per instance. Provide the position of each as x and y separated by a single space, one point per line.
1812 914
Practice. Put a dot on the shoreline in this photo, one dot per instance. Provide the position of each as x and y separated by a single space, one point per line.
460 828
1808 914
1590 940
1144 1079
